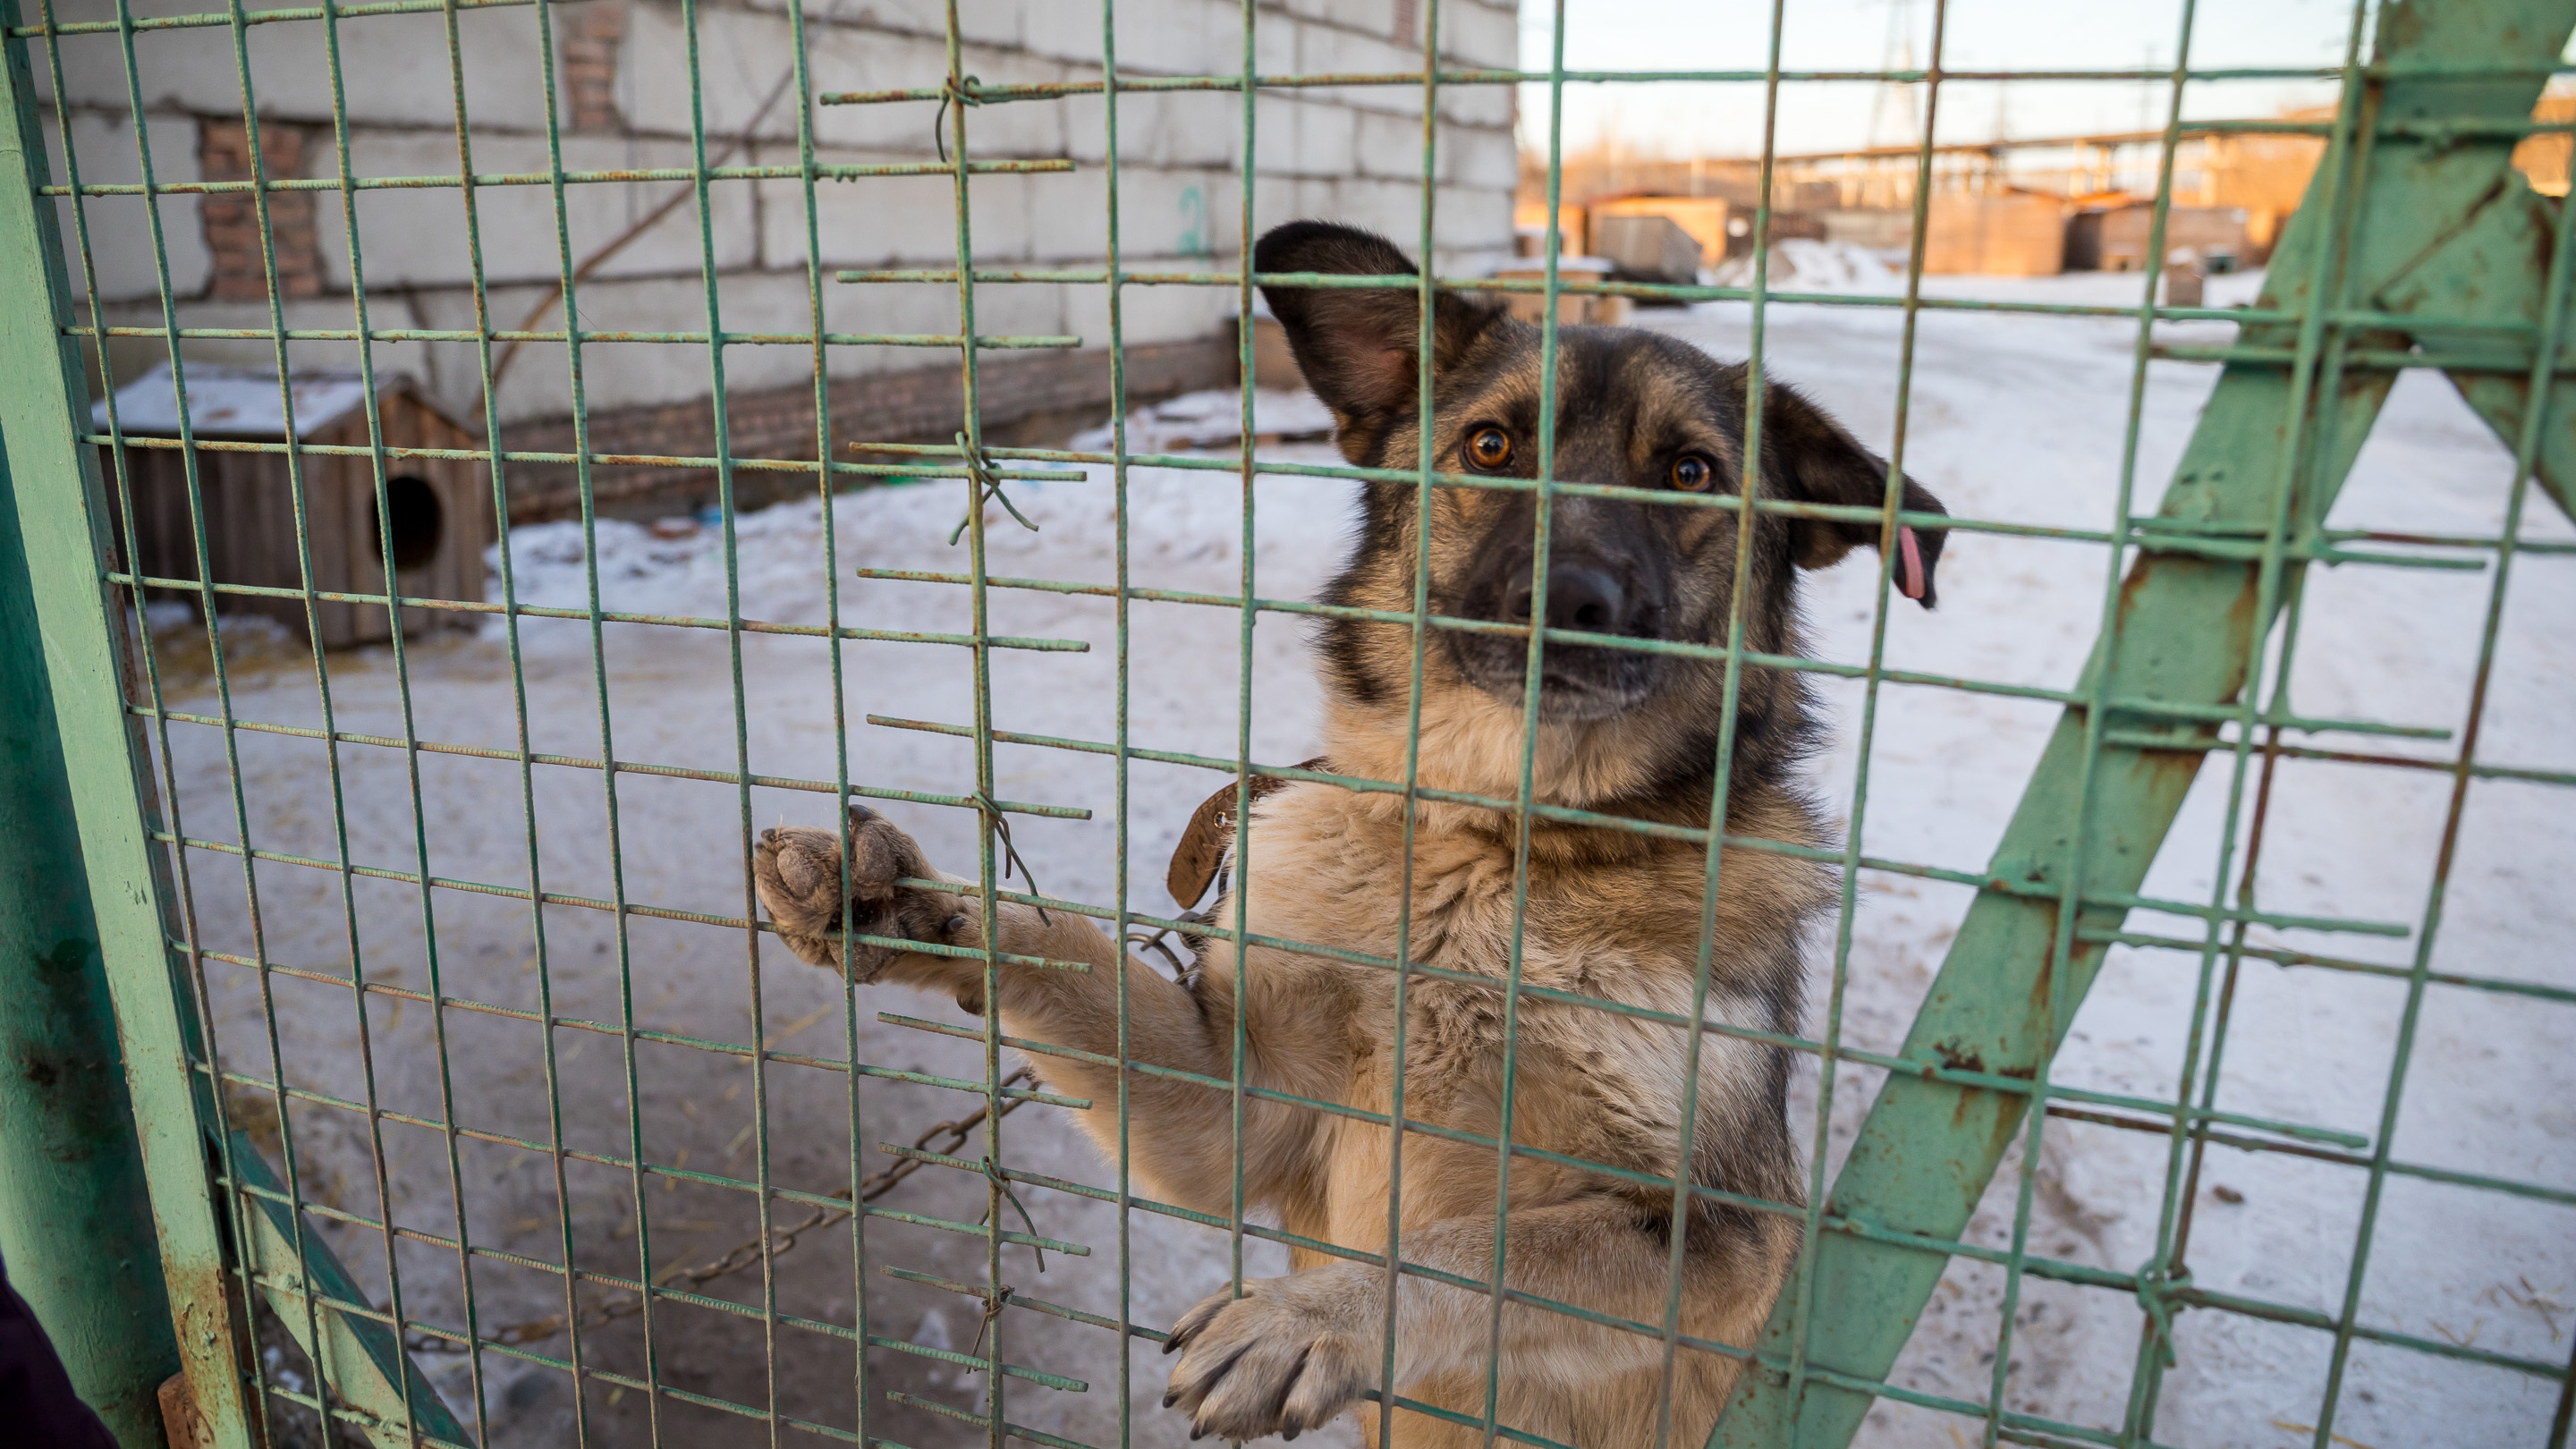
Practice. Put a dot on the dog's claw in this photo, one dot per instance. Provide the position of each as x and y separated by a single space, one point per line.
1289 1355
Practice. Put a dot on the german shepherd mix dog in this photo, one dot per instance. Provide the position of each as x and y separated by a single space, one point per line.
1609 914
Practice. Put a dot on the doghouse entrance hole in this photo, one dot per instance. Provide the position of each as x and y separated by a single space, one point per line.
418 522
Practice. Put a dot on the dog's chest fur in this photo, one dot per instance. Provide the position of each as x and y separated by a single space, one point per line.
1327 867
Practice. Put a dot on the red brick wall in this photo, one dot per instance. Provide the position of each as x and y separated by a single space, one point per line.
589 46
231 219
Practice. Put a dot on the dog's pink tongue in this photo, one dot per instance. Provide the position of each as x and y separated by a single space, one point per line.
1909 574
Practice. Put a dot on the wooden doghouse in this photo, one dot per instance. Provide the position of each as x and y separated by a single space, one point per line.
441 510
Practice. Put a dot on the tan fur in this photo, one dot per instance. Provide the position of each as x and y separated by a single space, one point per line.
1608 916
1611 915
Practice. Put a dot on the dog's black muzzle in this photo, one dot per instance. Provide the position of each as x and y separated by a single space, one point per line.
1608 572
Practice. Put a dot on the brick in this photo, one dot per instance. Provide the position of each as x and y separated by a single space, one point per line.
1189 37
1388 146
416 237
895 222
1479 158
1349 154
1478 36
588 46
1326 50
394 67
1179 129
1162 213
1490 107
231 220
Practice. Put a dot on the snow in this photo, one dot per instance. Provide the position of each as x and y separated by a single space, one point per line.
1799 264
2013 417
235 401
1214 420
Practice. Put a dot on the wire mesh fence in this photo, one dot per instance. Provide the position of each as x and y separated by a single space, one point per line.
482 1085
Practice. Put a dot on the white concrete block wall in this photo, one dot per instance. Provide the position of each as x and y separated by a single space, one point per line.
1479 160
416 237
1347 153
119 234
1482 35
394 67
1386 146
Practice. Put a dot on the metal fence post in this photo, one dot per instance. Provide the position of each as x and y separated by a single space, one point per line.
52 498
75 1224
2188 630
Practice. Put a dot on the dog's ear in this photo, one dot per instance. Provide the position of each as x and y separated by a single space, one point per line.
1358 347
1813 460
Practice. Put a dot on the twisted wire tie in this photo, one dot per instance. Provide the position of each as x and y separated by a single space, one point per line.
995 1300
2155 1282
988 489
1002 1192
968 92
1011 862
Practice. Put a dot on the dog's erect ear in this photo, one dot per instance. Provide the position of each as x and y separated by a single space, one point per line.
1813 460
1358 346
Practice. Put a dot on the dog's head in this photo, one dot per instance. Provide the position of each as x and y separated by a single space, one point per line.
1634 409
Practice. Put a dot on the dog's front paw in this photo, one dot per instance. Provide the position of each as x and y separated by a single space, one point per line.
1288 1356
798 874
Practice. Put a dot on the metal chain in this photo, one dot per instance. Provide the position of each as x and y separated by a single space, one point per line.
746 1254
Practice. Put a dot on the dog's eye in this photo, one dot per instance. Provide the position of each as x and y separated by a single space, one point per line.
1693 473
1489 447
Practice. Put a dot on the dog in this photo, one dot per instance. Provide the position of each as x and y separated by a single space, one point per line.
1609 914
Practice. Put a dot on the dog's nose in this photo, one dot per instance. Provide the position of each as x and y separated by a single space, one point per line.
1581 596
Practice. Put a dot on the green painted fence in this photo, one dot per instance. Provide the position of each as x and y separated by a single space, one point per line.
2418 246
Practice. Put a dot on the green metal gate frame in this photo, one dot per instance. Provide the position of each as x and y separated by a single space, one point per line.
2395 227
2417 247
184 1148
56 493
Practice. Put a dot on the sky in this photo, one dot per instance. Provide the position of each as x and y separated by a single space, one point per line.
1681 119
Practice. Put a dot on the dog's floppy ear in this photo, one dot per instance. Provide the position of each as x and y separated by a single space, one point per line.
1358 346
1813 460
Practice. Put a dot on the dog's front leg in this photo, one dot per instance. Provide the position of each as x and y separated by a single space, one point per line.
799 874
1182 1131
1294 1352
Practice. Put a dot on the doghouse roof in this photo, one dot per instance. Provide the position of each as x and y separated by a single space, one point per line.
241 402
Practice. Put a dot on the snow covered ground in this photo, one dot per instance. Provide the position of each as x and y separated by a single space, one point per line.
2012 417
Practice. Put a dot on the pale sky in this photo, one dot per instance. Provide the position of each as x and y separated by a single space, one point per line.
1726 120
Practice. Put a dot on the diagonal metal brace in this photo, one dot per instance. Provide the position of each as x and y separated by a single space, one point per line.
2434 225
363 1363
2503 258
